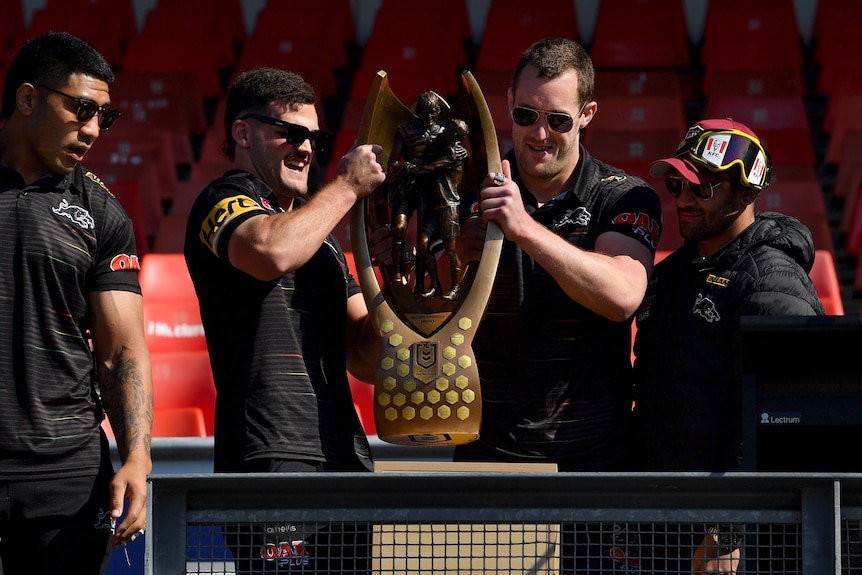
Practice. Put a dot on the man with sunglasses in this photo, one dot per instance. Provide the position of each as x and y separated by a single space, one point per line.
554 345
72 338
734 262
283 316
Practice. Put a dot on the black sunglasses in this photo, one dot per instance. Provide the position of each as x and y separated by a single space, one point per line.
703 191
296 134
87 109
557 121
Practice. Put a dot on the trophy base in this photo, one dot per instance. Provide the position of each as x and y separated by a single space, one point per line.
428 439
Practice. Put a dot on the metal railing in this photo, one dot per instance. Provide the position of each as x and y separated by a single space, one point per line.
498 522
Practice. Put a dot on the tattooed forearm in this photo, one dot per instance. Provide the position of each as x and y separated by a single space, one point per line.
128 402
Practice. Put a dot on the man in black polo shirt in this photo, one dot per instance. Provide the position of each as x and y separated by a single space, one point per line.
72 323
283 316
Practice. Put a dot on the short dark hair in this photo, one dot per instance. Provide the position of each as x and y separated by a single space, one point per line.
253 91
50 59
552 57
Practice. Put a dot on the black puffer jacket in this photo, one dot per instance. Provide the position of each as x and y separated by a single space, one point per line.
687 369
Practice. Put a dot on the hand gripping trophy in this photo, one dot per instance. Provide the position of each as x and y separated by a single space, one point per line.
427 388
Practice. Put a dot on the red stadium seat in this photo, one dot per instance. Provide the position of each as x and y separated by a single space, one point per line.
330 19
175 54
179 422
129 195
781 123
632 150
633 83
648 34
213 26
640 113
164 277
171 235
414 64
173 325
179 92
743 35
123 147
758 82
519 21
184 379
104 24
313 58
187 193
843 116
147 178
825 278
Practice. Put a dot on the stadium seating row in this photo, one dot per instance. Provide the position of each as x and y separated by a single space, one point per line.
173 66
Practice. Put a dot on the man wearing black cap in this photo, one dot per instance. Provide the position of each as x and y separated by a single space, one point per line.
733 262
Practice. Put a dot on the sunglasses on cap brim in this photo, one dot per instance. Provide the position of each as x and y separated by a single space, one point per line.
720 150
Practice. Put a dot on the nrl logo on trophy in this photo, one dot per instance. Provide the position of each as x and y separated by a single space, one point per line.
427 305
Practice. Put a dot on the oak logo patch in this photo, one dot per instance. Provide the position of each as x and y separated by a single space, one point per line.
642 225
222 213
717 280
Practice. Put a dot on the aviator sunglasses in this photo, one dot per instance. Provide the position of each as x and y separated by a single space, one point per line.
703 191
557 121
296 134
87 109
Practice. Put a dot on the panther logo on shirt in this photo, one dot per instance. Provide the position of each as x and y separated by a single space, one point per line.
77 214
705 308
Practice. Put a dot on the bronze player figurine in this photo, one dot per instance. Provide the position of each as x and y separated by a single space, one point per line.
439 211
411 142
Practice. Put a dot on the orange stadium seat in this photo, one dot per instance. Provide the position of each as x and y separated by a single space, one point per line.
625 35
183 379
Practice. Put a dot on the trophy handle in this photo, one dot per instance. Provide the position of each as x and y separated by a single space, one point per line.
427 391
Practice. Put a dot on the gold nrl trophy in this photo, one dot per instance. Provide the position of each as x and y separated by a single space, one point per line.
427 308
